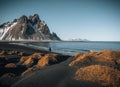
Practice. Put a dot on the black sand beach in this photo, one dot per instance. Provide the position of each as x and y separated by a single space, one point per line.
22 66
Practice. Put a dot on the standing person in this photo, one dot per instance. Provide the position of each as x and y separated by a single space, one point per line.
49 49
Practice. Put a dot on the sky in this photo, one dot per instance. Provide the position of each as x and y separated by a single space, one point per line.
95 20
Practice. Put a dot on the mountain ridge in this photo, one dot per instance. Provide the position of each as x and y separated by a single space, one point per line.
26 28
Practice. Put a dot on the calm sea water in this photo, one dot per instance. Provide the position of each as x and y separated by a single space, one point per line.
73 47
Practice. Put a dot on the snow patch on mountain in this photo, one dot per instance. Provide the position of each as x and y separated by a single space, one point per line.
4 30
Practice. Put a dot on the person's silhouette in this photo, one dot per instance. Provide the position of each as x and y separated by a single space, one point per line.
49 49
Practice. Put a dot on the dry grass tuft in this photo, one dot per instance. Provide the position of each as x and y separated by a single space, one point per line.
106 57
103 75
48 59
10 65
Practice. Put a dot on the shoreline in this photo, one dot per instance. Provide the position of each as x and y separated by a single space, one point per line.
47 41
28 41
21 48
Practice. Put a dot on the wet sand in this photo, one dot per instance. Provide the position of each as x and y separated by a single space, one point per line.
7 46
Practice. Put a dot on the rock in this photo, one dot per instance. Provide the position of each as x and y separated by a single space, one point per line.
55 37
34 19
23 19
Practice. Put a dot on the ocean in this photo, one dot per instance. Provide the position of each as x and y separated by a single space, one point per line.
72 47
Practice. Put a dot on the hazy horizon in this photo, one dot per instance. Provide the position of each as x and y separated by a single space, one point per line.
95 20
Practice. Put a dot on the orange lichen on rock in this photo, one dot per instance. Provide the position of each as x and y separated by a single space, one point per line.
10 65
102 75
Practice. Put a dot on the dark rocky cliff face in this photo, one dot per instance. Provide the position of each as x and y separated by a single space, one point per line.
27 28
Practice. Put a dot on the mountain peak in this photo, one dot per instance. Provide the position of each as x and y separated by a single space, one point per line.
23 19
34 19
36 15
26 28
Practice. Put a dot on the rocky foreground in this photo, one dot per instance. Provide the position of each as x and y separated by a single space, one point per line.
92 69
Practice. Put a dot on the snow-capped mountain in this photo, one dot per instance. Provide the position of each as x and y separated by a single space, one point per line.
26 28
